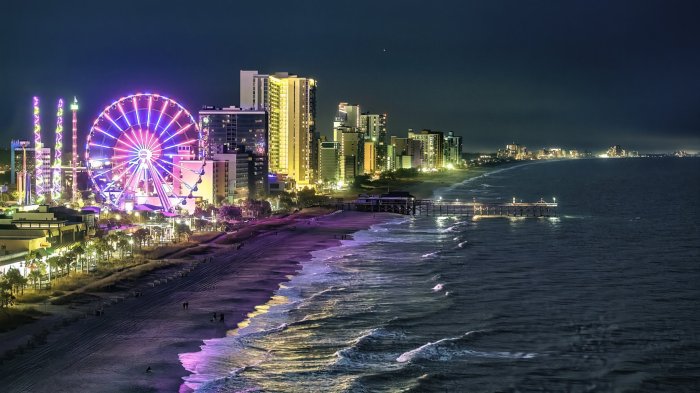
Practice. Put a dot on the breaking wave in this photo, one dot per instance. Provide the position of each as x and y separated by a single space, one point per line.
448 348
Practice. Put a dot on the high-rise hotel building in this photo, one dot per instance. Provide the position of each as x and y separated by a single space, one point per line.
347 132
373 126
291 103
453 150
432 147
240 136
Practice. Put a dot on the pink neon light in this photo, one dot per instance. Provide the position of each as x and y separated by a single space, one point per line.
146 175
136 109
121 109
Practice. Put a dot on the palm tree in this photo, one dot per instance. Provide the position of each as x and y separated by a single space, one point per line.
78 253
15 279
123 245
54 264
35 277
182 229
64 261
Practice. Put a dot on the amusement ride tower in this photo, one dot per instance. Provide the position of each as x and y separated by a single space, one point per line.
38 154
74 156
56 188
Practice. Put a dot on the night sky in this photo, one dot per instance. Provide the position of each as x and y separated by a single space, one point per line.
578 74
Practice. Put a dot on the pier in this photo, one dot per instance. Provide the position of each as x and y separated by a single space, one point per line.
404 203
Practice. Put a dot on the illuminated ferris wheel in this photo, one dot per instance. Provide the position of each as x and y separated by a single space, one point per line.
145 149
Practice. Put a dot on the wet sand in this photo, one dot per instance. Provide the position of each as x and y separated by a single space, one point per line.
111 353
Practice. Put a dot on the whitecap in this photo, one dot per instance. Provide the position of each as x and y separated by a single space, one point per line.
447 349
438 287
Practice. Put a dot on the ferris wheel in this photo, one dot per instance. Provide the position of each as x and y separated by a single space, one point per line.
145 149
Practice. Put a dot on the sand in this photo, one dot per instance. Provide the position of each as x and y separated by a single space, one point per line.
111 352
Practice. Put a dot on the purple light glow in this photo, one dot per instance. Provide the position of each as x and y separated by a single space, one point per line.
125 160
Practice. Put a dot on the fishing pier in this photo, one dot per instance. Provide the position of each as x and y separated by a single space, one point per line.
404 203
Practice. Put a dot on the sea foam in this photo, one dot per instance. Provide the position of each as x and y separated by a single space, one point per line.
448 349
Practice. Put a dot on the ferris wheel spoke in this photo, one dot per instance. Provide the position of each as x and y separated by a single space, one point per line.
115 167
180 144
152 142
121 109
162 111
129 181
136 109
148 115
113 122
122 150
120 176
173 175
104 132
179 166
99 145
158 185
171 122
180 131
132 147
137 139
133 142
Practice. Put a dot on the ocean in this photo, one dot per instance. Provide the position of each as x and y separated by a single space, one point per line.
604 297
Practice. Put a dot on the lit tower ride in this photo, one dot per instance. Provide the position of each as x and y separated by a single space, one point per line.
58 153
74 157
38 154
23 183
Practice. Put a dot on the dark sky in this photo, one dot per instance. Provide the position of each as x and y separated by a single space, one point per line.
584 74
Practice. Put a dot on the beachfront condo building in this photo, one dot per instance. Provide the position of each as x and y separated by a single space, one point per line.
347 119
373 126
370 157
328 159
407 153
350 159
453 150
242 135
432 148
347 132
290 101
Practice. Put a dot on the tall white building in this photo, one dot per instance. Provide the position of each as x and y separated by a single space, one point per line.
291 103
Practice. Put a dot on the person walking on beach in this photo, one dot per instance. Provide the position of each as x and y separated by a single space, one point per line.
221 317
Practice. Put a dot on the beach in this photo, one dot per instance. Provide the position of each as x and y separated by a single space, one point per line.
144 323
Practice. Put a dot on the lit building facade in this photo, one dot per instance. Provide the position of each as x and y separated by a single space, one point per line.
347 132
349 159
328 159
432 148
453 150
370 157
242 134
373 126
291 103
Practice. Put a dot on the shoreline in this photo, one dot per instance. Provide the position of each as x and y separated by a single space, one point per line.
234 282
112 352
